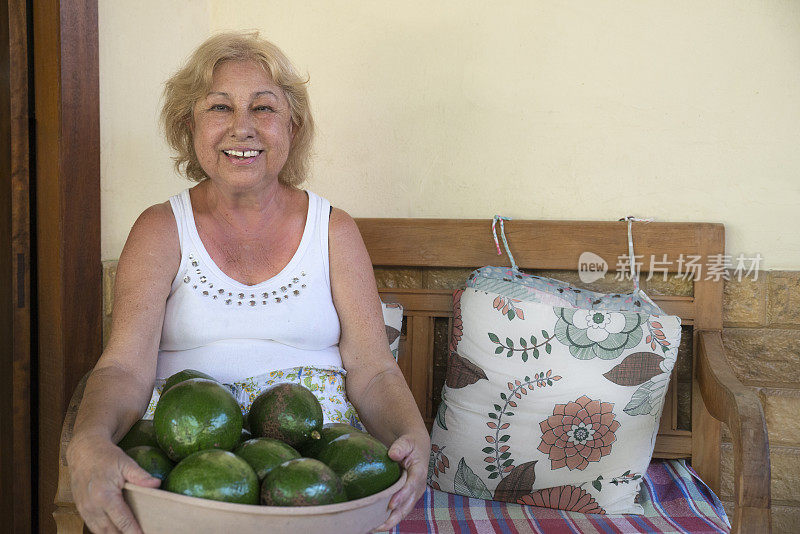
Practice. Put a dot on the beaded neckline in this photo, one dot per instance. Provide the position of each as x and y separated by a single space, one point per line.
237 297
204 257
205 277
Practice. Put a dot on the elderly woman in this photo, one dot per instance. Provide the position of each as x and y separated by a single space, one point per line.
240 276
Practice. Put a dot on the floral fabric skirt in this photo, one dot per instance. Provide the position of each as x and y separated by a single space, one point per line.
326 383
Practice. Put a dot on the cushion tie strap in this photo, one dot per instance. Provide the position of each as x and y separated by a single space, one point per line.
634 274
503 235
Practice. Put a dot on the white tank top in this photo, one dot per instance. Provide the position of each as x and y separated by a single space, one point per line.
233 331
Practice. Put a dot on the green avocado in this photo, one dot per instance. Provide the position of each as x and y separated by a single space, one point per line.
264 454
286 412
329 432
362 462
151 459
141 433
186 374
214 474
194 415
302 482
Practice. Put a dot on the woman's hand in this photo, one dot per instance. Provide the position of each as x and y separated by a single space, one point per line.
412 453
98 470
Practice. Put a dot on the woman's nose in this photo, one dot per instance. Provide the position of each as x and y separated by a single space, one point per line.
242 126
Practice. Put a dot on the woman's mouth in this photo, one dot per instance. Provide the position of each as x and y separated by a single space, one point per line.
240 157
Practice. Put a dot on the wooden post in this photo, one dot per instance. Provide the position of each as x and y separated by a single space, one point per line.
706 430
69 273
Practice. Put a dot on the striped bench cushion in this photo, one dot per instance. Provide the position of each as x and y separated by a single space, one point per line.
673 497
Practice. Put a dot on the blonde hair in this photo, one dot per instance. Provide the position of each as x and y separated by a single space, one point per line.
193 81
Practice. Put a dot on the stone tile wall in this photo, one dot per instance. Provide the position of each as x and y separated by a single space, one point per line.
761 337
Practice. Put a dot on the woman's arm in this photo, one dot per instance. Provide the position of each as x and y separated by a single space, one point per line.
375 384
121 383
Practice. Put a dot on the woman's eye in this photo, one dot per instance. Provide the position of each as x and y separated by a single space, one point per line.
219 107
264 108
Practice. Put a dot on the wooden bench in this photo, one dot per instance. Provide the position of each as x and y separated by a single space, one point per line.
716 394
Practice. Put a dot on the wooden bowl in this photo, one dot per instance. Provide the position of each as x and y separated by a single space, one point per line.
159 511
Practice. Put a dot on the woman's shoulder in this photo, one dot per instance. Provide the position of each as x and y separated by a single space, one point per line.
342 226
155 233
157 218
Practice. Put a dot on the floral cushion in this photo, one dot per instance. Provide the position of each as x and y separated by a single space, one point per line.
568 397
393 319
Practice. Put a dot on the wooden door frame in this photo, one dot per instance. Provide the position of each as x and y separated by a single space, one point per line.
67 221
16 476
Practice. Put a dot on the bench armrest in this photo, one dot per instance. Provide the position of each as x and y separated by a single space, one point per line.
68 521
731 402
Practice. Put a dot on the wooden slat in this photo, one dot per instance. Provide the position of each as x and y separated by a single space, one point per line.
404 355
668 415
438 302
673 444
683 307
535 244
421 329
673 384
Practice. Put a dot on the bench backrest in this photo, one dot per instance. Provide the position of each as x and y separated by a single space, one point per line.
551 245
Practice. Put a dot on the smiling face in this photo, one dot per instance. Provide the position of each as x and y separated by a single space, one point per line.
242 129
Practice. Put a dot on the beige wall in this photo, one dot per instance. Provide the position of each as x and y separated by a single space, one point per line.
677 110
141 44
